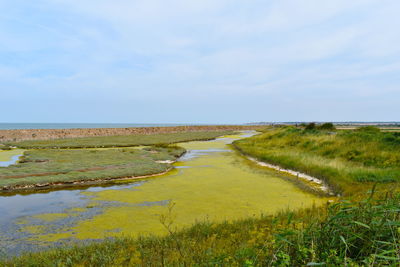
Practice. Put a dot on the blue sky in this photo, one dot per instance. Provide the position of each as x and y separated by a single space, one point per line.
208 61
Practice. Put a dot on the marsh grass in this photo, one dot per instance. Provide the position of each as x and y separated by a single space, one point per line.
120 141
57 166
340 158
4 147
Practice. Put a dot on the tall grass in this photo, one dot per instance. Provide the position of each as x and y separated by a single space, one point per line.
341 158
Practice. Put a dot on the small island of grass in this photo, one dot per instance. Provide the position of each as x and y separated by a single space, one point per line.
78 161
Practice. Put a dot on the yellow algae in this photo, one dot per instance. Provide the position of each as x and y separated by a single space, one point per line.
75 210
21 221
53 237
6 155
215 186
49 217
34 229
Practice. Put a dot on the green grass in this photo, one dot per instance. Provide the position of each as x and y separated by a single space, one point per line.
4 147
120 141
366 233
342 158
64 165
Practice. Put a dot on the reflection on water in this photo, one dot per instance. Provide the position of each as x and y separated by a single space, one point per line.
210 182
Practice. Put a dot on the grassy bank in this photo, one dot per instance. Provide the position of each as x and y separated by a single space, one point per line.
120 141
50 166
343 159
341 234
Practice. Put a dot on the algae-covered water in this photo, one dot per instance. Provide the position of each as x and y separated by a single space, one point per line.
9 157
211 182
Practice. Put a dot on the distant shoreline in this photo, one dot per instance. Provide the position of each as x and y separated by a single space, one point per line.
47 134
32 126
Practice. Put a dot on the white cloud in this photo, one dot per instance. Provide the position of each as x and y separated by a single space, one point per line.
142 49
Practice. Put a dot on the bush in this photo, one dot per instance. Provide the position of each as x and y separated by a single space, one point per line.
310 126
369 129
328 126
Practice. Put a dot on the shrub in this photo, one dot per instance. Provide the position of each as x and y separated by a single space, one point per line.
328 126
369 129
311 126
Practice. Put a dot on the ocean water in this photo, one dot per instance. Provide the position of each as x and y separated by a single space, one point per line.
10 126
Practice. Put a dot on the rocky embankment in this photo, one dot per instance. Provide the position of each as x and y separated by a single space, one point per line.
46 134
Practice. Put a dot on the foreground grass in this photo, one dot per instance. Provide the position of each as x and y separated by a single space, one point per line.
366 233
120 141
343 159
50 166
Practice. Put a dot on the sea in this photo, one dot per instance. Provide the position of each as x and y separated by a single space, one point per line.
19 126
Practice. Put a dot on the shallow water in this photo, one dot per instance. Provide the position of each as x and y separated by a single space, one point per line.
210 182
9 157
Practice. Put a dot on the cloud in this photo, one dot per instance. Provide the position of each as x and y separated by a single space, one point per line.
250 51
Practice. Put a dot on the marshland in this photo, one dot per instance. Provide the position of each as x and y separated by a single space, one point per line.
209 205
199 133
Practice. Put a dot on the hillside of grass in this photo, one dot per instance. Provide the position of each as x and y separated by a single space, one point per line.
49 166
120 141
340 158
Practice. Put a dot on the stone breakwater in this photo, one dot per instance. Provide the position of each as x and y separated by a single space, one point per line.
47 134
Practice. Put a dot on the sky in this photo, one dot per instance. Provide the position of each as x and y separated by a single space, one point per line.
208 61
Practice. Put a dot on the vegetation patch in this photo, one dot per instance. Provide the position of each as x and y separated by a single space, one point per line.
120 141
4 147
51 166
340 158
